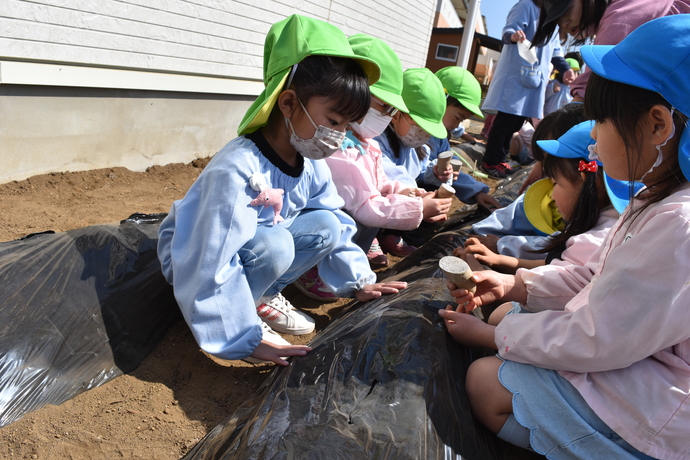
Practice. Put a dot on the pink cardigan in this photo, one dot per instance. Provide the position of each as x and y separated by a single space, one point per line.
622 17
624 340
552 286
370 197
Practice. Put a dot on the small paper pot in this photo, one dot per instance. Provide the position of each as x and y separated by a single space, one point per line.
457 164
457 272
443 160
445 191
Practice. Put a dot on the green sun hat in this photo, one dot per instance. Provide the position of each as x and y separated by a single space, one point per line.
463 86
390 85
573 63
424 97
288 42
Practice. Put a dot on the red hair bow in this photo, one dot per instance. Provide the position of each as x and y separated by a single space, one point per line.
591 166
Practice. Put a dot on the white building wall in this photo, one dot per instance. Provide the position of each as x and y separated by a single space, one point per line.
167 49
196 37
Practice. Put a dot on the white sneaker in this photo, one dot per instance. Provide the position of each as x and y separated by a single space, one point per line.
269 336
281 316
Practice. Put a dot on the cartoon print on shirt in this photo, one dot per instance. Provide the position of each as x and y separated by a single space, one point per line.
267 196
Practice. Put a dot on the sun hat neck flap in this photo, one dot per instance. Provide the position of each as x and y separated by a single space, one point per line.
424 97
639 60
287 43
389 87
461 84
540 209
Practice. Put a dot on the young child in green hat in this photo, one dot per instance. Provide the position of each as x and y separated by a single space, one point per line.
463 95
370 197
264 211
403 141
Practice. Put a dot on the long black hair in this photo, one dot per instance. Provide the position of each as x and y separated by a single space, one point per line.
624 106
591 199
341 80
592 12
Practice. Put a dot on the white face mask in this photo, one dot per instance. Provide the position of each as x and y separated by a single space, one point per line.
373 124
660 155
415 137
323 144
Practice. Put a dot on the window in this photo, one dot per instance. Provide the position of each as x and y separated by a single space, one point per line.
446 52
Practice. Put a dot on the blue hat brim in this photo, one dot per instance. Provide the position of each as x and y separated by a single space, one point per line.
604 61
557 149
619 192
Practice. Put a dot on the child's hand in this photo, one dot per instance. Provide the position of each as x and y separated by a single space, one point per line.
468 329
518 37
267 351
412 192
481 252
459 252
374 291
435 209
490 241
487 201
444 175
491 286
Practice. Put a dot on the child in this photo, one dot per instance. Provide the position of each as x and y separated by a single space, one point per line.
518 230
370 198
557 92
463 95
520 149
518 87
607 374
580 194
262 212
402 142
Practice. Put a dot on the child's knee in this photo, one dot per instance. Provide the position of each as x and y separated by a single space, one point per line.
323 232
482 378
499 313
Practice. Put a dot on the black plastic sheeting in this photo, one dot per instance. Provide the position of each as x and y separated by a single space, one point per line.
383 381
78 308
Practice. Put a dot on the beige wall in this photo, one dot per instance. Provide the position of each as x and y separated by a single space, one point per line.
46 129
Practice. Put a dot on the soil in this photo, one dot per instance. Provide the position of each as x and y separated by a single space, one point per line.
178 394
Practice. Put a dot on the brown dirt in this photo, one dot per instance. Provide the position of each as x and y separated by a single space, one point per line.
178 393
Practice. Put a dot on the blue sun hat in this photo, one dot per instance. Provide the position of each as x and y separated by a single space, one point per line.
574 144
639 60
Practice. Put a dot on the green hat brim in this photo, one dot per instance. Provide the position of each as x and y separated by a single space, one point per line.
472 108
390 98
436 129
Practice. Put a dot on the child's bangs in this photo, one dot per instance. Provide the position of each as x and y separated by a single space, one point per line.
341 80
351 97
604 99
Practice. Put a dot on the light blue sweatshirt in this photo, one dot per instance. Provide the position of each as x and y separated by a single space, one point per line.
201 236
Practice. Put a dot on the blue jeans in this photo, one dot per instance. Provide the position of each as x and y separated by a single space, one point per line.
278 255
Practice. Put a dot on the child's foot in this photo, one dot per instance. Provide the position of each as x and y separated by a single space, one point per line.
499 171
394 244
281 316
377 259
310 284
269 336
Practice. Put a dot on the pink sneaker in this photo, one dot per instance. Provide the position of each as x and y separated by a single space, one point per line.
394 244
310 284
377 259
